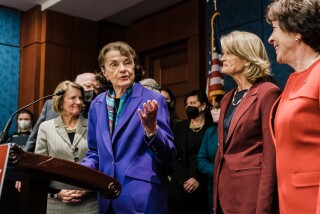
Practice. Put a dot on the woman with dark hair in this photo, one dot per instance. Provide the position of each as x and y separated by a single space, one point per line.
188 185
208 149
171 103
24 123
295 117
24 128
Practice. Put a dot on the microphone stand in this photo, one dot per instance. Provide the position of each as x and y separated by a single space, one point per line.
4 132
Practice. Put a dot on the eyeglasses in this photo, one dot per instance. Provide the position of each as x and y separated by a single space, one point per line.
115 65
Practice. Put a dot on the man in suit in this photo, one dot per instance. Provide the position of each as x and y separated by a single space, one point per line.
88 82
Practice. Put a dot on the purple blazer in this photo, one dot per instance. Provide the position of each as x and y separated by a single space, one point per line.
127 155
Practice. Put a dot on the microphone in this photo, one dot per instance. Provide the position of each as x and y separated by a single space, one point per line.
59 93
4 132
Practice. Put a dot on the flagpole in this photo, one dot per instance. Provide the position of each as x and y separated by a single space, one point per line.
216 87
216 13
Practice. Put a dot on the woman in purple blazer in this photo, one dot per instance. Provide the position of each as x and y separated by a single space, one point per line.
129 136
245 174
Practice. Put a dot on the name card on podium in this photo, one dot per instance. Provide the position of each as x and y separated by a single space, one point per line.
4 152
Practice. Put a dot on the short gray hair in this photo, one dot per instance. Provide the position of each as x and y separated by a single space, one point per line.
150 84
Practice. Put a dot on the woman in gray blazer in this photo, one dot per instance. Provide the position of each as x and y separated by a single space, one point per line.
65 137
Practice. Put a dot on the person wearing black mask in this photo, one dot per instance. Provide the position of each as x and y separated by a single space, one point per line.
90 85
188 193
171 103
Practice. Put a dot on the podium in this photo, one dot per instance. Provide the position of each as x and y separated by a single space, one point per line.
37 171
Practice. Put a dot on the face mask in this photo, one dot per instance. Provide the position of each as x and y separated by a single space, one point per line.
192 112
24 124
89 96
215 113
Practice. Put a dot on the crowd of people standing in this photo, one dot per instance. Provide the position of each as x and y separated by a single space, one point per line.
251 151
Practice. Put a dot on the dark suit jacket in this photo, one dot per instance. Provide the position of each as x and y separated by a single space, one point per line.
47 113
181 170
245 170
184 167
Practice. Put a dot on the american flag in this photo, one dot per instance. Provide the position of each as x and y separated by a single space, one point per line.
215 83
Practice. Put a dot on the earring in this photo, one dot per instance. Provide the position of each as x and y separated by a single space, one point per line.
297 39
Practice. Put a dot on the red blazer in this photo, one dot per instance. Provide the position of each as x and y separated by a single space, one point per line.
245 173
295 122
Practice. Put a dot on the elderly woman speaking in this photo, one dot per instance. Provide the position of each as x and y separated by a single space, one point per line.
129 136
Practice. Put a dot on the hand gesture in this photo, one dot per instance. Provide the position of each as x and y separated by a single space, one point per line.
149 116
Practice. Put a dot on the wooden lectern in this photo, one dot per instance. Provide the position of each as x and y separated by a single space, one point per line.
37 171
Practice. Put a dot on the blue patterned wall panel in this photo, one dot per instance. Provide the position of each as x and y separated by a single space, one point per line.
9 27
265 4
253 27
9 64
235 13
9 80
248 15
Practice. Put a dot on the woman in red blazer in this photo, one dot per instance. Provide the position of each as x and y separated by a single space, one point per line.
296 116
245 177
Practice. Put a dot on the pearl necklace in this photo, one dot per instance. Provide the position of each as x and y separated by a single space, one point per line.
234 95
196 128
70 128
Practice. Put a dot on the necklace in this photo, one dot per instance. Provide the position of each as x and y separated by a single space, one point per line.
70 128
196 128
312 61
234 96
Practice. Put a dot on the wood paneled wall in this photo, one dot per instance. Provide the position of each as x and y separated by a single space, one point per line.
171 46
56 47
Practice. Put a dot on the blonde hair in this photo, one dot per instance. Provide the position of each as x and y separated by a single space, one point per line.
57 101
249 47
